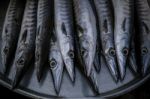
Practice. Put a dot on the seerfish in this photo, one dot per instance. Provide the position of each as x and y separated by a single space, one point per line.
44 28
65 33
86 32
56 62
143 15
10 32
124 14
26 43
106 26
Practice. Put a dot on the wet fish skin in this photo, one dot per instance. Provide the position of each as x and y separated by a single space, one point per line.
143 13
65 33
10 33
87 33
123 32
26 44
56 63
106 25
44 24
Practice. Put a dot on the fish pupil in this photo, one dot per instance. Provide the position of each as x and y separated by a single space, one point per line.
71 54
20 61
125 51
112 52
53 63
144 51
6 50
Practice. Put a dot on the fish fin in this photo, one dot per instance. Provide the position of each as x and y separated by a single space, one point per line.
63 28
105 26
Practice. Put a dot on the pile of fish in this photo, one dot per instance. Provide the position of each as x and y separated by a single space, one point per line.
76 34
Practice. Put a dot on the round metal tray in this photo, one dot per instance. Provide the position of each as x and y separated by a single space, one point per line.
30 87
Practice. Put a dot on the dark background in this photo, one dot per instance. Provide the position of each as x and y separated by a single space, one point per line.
143 92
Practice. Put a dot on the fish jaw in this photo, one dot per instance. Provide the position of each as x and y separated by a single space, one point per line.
132 63
56 65
145 63
122 54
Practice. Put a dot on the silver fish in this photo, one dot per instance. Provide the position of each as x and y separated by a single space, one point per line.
56 63
143 13
106 25
87 32
124 14
10 33
26 44
44 24
65 33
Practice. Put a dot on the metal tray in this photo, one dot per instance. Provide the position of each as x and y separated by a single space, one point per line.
30 87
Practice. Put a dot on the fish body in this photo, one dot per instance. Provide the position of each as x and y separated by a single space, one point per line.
86 32
26 44
44 24
65 33
106 25
143 13
124 11
56 63
10 33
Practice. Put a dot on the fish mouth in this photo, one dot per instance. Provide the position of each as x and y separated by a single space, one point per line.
111 63
133 64
145 64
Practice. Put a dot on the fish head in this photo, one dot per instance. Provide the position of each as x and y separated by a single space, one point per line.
110 56
87 53
145 59
122 52
55 59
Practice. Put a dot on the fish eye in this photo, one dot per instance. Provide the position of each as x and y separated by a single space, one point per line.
71 54
144 51
21 61
83 51
112 52
125 51
6 30
37 56
53 63
6 50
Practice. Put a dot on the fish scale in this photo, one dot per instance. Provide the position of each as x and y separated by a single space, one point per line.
26 43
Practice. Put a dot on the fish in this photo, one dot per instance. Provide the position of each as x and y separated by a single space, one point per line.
26 44
86 33
64 27
56 63
123 31
44 28
106 26
10 32
143 18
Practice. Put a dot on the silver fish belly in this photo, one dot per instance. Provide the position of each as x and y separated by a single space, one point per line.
26 44
143 13
106 25
10 33
65 33
56 63
44 29
123 32
87 32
